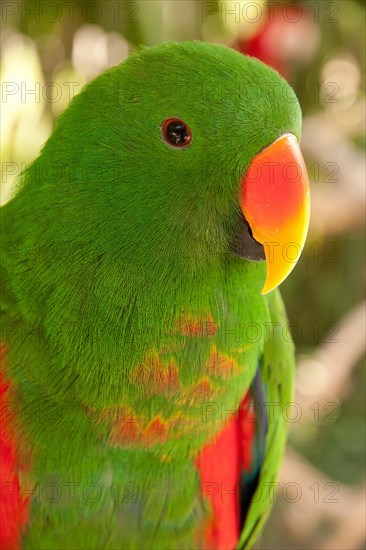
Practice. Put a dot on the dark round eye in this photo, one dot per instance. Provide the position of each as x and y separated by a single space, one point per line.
176 132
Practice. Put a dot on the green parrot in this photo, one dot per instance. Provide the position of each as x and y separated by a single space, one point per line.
146 361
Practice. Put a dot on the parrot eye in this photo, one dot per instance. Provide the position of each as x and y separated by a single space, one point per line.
176 132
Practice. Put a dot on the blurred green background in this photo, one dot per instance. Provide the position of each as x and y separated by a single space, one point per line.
51 49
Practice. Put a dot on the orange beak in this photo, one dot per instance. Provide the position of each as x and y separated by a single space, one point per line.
275 199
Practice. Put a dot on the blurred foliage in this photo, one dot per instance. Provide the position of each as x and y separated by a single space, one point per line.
338 448
327 282
45 42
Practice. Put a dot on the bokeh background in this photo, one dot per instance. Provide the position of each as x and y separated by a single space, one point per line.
51 49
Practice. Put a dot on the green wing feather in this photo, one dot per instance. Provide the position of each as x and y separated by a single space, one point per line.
278 376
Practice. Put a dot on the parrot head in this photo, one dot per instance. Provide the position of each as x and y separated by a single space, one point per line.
184 154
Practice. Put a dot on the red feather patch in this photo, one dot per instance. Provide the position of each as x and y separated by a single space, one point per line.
13 508
220 465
